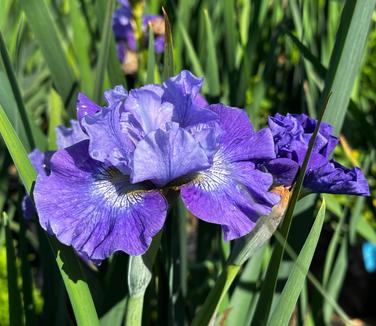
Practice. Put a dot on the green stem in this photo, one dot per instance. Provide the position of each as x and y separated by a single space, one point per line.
216 295
134 310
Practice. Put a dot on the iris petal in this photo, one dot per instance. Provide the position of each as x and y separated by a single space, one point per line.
163 156
239 141
337 179
66 137
147 108
95 209
233 195
233 192
109 143
182 91
86 106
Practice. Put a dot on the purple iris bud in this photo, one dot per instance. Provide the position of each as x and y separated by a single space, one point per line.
106 192
291 134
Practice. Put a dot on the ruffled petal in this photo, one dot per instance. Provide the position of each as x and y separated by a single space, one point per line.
95 209
41 161
109 142
208 136
116 95
66 137
238 140
163 156
147 107
336 179
233 195
86 106
182 91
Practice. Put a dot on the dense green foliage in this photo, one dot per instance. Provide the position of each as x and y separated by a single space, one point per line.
264 56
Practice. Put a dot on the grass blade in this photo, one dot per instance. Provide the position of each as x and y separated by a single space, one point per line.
230 33
243 296
45 30
17 151
290 294
212 73
267 291
346 59
17 93
168 64
55 112
103 53
14 293
151 58
78 290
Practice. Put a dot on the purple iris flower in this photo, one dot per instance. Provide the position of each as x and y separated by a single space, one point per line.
124 30
291 135
107 192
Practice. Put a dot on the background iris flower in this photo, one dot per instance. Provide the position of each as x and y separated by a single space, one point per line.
123 26
291 135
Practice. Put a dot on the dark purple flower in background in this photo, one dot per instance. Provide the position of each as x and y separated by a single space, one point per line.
106 192
123 26
291 135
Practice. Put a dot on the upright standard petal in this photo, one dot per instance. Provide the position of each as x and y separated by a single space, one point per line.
109 143
233 192
94 208
147 107
165 155
66 137
116 95
182 91
238 140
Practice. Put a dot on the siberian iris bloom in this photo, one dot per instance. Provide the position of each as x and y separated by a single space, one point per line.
123 26
106 192
291 135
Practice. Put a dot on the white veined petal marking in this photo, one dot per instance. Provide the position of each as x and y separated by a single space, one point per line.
114 189
214 177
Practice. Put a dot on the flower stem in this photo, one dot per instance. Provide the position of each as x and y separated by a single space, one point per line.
134 310
212 302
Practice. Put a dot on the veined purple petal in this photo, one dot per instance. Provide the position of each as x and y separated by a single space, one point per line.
238 140
66 137
164 155
233 195
148 109
94 208
41 161
109 143
86 106
182 91
200 101
232 192
208 136
336 179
